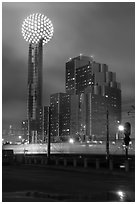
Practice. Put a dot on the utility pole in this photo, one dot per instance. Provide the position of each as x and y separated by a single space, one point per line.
126 152
43 124
127 131
107 139
48 142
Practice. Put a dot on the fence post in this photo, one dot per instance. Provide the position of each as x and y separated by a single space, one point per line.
111 164
46 160
126 165
85 163
57 161
35 161
74 162
97 164
65 162
42 161
30 160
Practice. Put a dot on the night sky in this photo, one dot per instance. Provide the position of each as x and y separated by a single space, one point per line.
104 30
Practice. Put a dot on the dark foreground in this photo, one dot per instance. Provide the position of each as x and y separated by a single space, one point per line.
24 183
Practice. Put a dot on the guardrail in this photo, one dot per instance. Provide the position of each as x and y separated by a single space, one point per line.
90 163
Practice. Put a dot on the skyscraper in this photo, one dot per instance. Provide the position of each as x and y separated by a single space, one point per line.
78 74
37 29
94 91
83 71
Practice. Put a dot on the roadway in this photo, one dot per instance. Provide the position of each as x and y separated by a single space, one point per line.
51 183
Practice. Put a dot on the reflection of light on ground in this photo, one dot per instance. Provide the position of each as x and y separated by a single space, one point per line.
83 145
121 195
68 148
122 166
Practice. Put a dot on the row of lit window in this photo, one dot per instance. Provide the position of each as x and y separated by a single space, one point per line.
70 79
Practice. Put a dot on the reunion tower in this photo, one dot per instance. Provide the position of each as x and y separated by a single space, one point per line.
37 29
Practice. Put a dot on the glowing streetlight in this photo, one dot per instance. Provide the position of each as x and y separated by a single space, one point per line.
71 140
36 27
121 195
121 128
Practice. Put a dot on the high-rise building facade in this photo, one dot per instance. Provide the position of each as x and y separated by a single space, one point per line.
83 71
78 74
94 91
60 116
89 114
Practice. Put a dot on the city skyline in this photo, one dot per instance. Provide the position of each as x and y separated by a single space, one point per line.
104 30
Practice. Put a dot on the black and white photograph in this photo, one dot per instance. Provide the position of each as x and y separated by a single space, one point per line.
68 101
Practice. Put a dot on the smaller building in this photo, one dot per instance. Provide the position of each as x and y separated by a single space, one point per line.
45 123
89 112
60 116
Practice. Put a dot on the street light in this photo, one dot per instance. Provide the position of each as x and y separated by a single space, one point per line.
20 137
71 140
121 128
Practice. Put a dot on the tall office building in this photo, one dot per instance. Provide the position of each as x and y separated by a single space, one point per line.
89 113
83 71
60 116
94 91
78 74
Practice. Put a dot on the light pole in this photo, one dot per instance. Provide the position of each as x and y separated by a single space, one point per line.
48 143
107 140
126 129
121 128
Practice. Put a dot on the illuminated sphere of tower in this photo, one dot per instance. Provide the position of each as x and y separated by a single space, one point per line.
36 27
